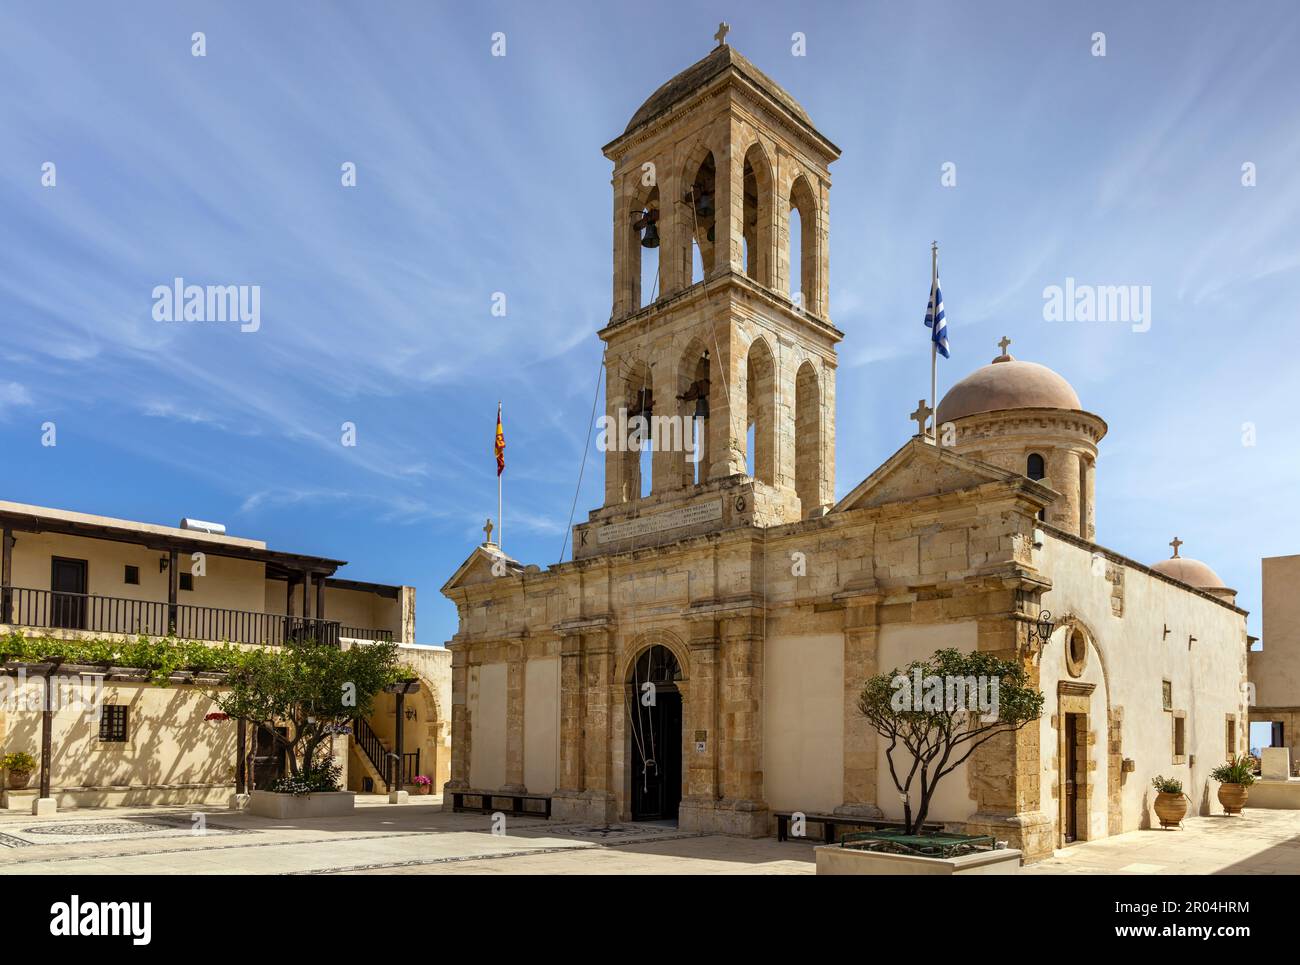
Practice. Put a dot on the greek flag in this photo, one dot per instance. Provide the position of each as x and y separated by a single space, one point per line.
935 320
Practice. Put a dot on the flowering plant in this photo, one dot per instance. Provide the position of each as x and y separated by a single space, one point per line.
216 715
422 779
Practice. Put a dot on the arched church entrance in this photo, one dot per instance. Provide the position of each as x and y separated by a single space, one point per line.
654 710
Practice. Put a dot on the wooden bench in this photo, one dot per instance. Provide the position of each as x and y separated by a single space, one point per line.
487 801
830 822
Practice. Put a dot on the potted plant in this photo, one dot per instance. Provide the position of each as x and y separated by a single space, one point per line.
1234 777
20 765
1171 802
423 785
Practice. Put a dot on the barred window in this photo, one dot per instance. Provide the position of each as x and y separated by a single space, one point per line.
112 726
131 575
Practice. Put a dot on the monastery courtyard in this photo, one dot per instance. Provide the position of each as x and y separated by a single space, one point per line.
418 838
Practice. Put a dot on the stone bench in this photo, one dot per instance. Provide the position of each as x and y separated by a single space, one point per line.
488 799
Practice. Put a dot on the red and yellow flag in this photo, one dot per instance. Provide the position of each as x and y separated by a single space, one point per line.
500 447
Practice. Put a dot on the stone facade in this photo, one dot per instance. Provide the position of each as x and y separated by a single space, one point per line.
777 603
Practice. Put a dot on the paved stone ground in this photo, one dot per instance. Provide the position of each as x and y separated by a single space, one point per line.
417 838
1259 842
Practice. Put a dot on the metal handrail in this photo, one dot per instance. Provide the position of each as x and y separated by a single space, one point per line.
57 609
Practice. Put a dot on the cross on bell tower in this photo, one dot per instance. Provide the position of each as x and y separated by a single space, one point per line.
1175 543
720 299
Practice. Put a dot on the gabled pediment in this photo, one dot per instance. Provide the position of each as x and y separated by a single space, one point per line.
922 469
486 563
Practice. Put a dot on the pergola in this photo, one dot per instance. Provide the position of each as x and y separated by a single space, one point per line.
45 669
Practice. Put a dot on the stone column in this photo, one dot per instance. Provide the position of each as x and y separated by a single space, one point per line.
667 458
673 227
729 236
571 712
515 721
598 711
460 729
861 742
623 244
740 711
697 808
727 405
827 482
614 457
821 298
1005 770
1063 476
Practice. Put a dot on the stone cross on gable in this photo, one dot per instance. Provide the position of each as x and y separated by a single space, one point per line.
1175 543
922 413
487 531
1004 344
721 35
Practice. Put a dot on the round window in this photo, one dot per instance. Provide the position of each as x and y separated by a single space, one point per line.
1076 652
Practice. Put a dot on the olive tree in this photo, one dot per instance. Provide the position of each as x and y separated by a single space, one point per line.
936 713
313 691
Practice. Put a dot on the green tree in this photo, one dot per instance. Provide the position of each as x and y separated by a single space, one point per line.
939 732
311 690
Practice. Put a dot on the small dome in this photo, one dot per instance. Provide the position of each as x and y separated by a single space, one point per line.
697 75
1006 383
1190 571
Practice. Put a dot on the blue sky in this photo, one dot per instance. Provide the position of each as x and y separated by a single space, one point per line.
479 174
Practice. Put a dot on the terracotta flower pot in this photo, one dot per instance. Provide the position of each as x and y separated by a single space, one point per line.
1232 797
1170 809
18 779
423 788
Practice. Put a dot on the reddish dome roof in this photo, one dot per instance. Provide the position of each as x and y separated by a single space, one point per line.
1006 383
1190 571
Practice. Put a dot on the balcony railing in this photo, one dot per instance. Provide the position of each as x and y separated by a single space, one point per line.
20 606
364 633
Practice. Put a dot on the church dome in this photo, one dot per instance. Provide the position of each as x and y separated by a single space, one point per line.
1189 571
1006 383
720 59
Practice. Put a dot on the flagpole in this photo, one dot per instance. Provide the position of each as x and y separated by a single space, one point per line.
934 346
500 519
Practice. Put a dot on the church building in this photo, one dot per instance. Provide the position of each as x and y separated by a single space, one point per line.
722 570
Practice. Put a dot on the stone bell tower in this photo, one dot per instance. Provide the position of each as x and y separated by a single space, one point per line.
719 352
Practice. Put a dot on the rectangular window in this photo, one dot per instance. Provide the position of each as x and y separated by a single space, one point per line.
112 726
187 581
1231 736
131 576
1180 748
1168 695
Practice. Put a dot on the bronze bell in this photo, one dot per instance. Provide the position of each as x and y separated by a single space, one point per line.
646 222
702 407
